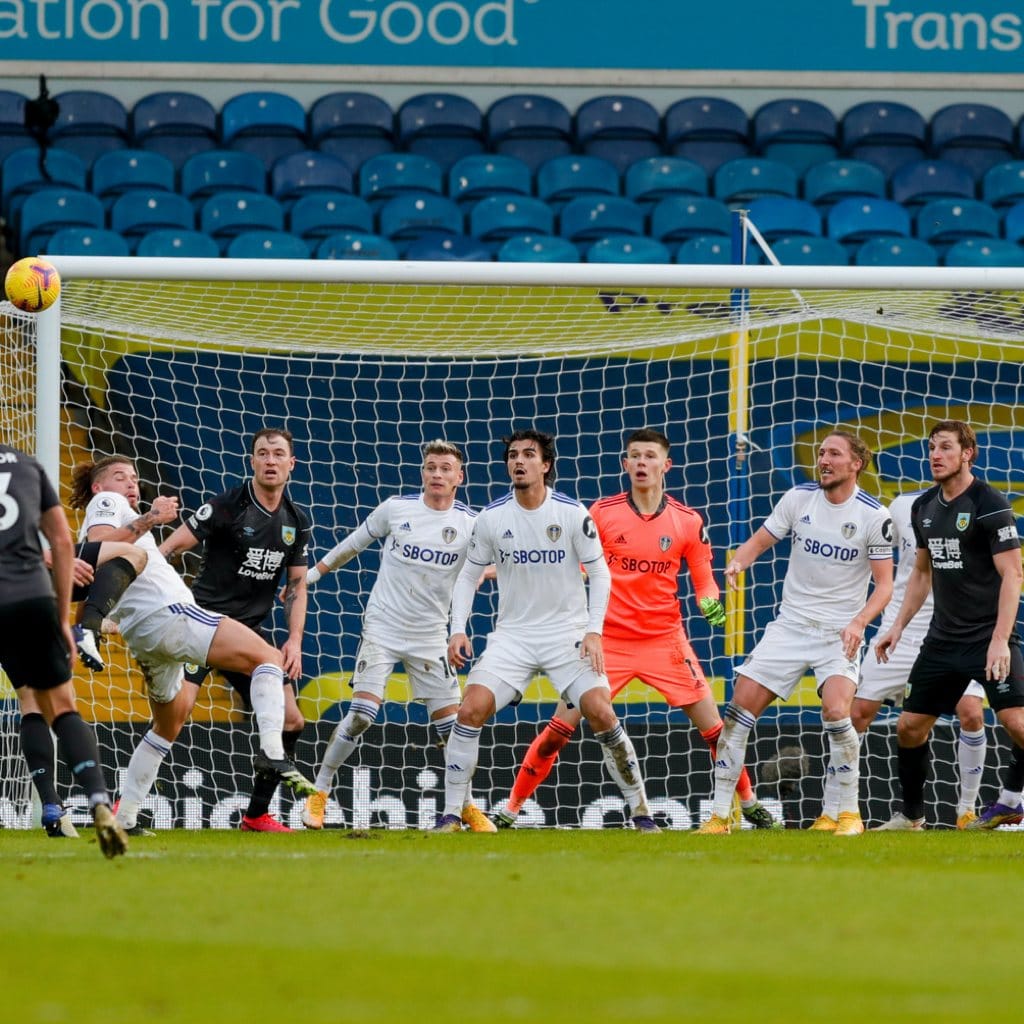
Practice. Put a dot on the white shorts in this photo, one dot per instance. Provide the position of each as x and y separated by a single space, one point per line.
165 640
786 652
510 662
430 675
887 683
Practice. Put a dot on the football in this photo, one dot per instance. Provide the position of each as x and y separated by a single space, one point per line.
32 284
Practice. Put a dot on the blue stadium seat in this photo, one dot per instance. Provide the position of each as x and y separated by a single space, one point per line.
923 180
441 126
784 217
307 172
409 217
628 249
883 133
538 249
137 213
1013 223
221 170
707 130
269 125
454 248
853 221
974 135
942 222
619 129
1003 184
895 252
651 179
738 182
123 170
328 213
391 174
89 123
87 242
267 245
797 132
172 242
177 125
713 249
566 177
13 133
480 175
586 219
498 218
46 211
828 182
28 170
227 214
984 252
679 218
352 126
356 245
531 128
809 251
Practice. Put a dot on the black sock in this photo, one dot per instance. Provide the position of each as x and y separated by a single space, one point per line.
78 750
1013 773
264 786
37 749
913 769
110 581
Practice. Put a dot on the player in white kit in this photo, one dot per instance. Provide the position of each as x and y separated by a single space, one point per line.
425 537
537 539
884 682
841 542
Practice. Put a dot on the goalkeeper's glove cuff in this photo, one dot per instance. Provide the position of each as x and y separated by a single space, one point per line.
713 610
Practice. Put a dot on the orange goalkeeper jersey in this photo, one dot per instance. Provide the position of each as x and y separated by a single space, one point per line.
645 554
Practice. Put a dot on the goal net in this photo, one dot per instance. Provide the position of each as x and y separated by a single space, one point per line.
745 369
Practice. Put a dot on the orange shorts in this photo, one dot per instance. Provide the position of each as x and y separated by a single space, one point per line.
665 663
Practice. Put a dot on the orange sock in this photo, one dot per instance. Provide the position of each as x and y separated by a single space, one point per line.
744 789
539 761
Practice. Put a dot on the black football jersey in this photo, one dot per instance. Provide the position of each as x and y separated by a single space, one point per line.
247 552
25 494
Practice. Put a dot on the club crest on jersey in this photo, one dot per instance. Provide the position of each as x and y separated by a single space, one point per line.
448 534
553 532
288 534
848 530
664 543
963 521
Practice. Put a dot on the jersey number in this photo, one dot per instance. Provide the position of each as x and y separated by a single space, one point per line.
9 510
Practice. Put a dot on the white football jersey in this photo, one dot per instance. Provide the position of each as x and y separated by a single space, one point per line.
832 548
537 554
423 551
905 542
158 585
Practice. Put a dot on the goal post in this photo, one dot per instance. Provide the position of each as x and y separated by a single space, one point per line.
176 362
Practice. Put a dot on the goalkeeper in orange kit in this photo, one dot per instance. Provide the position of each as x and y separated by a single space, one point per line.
647 535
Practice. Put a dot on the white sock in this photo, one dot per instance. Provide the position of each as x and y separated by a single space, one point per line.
443 728
970 751
620 759
732 752
844 762
361 715
1009 798
830 799
460 756
266 694
140 775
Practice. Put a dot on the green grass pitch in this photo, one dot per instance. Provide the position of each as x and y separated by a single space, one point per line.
531 926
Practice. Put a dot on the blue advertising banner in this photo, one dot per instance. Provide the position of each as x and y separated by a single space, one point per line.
840 36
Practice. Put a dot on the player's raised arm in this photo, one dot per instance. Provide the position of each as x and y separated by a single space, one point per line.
748 553
344 551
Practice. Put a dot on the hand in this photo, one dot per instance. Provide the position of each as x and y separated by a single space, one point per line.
713 610
592 650
732 571
292 652
164 509
460 650
886 644
81 572
997 660
852 637
490 573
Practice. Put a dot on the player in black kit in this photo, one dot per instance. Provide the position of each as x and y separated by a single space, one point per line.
36 646
252 534
968 552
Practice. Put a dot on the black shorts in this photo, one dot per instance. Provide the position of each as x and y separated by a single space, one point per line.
940 676
87 551
32 648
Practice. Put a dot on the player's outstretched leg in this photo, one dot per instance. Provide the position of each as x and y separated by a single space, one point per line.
731 754
536 766
751 808
257 816
111 579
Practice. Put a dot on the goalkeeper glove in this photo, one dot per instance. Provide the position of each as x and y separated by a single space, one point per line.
713 610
